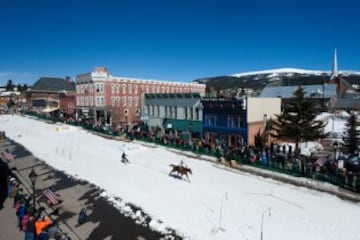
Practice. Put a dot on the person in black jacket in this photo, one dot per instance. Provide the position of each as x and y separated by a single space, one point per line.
124 158
82 216
30 229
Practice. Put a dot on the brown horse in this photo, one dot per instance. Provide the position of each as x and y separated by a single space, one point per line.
180 170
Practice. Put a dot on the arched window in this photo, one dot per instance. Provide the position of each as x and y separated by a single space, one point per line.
136 101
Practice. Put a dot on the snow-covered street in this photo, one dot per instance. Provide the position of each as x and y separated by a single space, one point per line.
216 204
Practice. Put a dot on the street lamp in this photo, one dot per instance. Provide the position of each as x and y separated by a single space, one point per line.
262 221
33 176
336 147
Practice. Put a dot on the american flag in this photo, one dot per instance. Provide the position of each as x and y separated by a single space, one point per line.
52 197
8 156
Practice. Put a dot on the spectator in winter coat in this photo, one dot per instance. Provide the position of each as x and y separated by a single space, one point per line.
24 221
43 235
30 229
52 230
21 211
41 224
82 216
14 189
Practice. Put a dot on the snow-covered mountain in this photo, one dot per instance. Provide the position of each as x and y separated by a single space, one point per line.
291 72
281 76
281 71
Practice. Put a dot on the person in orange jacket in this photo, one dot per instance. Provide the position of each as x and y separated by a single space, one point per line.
41 223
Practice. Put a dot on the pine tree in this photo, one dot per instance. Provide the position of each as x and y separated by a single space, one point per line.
351 136
10 85
297 123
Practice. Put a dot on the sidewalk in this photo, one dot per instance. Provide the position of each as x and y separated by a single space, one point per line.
104 220
8 219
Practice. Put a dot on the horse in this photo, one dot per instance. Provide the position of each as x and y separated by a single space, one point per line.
180 170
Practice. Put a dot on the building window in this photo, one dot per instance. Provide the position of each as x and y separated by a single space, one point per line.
102 101
97 101
124 101
112 88
186 112
136 101
117 88
130 101
124 88
117 101
136 89
191 113
239 122
210 120
112 101
234 121
197 115
130 88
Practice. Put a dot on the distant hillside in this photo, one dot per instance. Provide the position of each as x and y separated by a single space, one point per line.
283 77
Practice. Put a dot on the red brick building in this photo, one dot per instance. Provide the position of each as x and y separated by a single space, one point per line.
116 101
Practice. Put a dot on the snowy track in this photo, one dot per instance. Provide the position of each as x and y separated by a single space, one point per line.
217 204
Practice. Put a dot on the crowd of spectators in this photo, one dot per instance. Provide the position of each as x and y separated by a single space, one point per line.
35 224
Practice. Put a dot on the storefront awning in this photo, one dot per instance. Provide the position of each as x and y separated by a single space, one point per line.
47 110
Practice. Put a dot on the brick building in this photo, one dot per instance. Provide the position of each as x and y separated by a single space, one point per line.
52 96
105 100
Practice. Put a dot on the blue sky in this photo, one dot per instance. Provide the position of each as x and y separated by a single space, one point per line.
174 40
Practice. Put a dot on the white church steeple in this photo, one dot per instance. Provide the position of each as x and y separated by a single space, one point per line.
334 70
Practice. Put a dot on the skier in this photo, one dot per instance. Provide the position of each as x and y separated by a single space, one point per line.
124 158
